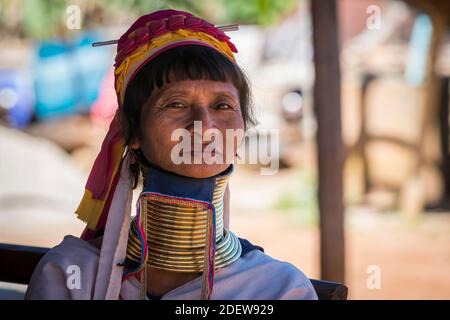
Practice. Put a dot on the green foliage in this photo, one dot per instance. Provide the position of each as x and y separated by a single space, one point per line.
300 203
41 19
263 12
146 6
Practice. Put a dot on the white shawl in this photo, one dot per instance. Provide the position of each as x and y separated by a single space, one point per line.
254 276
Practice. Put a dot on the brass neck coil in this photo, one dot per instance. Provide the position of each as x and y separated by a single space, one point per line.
176 234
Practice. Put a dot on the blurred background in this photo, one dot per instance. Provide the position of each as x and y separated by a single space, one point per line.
57 98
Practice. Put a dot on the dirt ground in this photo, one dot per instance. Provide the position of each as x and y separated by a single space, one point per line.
413 256
414 260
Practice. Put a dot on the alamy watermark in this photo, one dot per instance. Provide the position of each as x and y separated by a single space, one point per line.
374 280
74 277
73 17
373 21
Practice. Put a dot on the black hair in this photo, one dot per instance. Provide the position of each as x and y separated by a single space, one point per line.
189 62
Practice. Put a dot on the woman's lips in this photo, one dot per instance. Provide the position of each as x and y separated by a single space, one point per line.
200 150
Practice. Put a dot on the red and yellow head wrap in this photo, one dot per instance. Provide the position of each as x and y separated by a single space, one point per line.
147 37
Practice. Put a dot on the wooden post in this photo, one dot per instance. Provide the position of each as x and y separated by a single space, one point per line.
329 138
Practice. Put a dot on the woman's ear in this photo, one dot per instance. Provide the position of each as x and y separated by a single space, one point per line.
135 144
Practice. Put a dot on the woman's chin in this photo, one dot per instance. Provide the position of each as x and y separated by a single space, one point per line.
198 170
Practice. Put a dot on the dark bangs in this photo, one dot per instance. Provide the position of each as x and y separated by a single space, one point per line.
190 62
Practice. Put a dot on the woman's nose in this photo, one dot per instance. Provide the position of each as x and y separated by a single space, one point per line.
203 114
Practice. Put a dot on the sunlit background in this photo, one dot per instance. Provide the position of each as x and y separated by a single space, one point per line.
57 98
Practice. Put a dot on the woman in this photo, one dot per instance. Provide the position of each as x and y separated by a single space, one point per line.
173 72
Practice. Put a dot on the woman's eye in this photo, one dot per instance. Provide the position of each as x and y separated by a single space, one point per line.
175 105
223 106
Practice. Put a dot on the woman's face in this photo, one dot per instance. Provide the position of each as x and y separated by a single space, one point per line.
177 105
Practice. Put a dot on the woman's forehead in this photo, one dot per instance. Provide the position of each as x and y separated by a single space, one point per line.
207 87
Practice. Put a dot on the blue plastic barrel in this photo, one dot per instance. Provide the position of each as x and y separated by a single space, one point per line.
68 76
17 96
